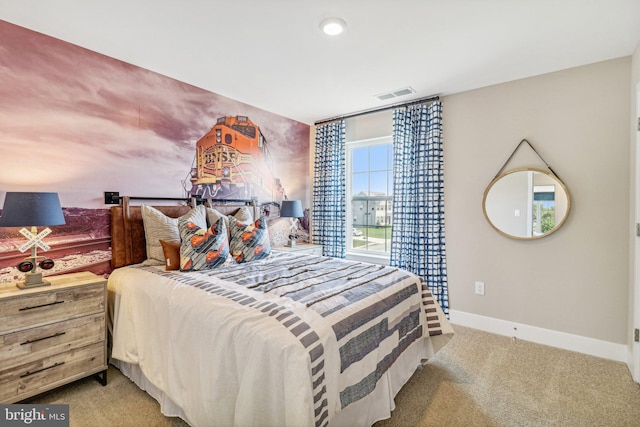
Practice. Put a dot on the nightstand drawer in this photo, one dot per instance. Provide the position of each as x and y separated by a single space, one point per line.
31 378
32 344
50 306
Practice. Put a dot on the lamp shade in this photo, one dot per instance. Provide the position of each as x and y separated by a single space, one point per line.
22 209
291 209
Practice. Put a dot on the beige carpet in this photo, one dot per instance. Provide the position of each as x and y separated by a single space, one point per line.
478 379
481 379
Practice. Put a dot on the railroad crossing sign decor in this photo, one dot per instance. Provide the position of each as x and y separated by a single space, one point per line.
33 277
34 239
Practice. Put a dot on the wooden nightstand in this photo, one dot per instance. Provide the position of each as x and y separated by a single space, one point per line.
52 335
307 248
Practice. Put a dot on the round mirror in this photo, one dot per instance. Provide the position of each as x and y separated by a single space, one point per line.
526 203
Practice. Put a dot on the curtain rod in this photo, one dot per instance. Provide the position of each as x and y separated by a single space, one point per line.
376 110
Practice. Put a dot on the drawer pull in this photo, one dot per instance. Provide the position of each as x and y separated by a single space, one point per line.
41 305
27 374
43 338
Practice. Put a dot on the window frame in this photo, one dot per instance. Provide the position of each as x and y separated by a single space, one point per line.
359 254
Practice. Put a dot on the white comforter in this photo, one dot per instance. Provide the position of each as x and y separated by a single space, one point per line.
285 341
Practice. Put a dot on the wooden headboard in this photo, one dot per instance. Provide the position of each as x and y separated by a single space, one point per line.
128 243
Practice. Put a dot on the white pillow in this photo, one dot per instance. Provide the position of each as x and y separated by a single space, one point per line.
158 226
279 231
214 215
244 214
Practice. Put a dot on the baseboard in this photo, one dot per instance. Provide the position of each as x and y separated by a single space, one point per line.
577 343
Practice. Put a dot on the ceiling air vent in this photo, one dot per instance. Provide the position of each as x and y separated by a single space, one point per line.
395 94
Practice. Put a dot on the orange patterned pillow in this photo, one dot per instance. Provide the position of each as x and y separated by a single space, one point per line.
203 249
249 241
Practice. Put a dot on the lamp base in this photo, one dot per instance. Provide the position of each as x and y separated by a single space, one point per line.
291 243
33 280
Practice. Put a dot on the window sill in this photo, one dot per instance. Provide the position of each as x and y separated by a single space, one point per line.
373 259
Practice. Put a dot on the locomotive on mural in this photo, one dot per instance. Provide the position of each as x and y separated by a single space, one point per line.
233 161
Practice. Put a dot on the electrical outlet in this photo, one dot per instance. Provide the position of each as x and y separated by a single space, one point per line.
480 288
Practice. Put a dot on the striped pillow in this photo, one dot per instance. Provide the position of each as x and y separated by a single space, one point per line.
249 241
158 226
201 248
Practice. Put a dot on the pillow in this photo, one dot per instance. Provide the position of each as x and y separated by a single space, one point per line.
244 214
171 252
279 231
213 215
158 226
249 241
202 248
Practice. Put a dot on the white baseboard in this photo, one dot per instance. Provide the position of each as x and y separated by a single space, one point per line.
577 343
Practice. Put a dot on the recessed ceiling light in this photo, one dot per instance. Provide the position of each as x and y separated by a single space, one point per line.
332 26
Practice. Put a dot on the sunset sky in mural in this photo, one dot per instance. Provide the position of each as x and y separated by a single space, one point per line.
80 123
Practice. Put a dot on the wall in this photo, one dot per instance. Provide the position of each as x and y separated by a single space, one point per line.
634 205
80 123
369 126
576 280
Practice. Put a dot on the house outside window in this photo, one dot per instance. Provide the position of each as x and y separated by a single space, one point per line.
369 196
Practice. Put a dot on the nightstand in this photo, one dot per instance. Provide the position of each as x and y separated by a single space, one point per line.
306 248
52 335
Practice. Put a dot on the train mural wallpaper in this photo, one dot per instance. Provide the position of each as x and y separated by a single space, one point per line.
233 161
79 123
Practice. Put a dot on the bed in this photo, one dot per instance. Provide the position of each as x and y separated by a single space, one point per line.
283 340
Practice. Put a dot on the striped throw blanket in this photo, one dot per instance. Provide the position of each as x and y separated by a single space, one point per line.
375 312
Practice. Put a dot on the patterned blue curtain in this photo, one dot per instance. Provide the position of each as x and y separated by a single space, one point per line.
417 242
329 205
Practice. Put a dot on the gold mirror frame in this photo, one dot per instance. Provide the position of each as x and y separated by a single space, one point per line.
508 206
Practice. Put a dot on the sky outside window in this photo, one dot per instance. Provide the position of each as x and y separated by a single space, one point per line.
371 170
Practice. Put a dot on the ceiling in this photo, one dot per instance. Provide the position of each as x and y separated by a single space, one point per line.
271 53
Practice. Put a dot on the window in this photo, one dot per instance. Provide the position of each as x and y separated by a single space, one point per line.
369 196
544 209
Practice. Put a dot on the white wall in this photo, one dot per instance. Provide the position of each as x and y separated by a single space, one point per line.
369 126
574 281
634 205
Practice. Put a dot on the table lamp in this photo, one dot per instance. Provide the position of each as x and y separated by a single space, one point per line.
292 209
24 209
